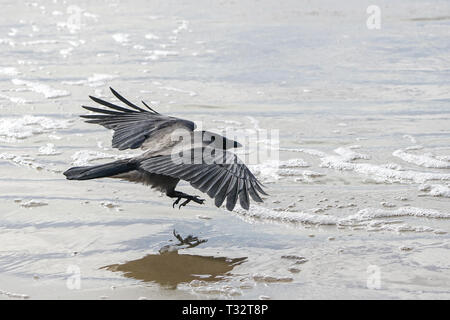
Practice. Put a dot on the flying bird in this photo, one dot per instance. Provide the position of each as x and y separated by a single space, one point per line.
173 151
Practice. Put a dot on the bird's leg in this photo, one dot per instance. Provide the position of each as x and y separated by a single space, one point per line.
176 202
181 195
190 240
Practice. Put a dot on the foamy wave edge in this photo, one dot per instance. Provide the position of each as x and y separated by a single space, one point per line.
363 218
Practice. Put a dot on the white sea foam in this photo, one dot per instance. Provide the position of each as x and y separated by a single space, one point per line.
274 169
443 158
289 172
48 150
14 295
90 15
122 38
39 42
349 155
17 100
22 160
387 204
151 36
44 89
393 166
312 152
165 53
257 212
436 190
415 147
191 93
33 204
85 157
9 71
423 160
66 52
8 42
54 137
99 78
96 80
372 213
411 138
312 174
293 163
380 173
368 218
27 126
13 32
26 62
182 25
76 43
70 26
156 54
397 227
268 170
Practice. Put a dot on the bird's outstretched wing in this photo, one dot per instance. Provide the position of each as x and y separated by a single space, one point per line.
132 127
218 173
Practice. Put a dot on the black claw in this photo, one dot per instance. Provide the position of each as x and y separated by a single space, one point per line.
198 200
189 198
184 203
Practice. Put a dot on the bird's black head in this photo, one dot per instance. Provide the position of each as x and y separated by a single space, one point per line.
218 141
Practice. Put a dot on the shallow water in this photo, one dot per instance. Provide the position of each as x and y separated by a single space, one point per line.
359 201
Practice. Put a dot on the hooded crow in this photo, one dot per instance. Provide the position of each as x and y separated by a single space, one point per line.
173 151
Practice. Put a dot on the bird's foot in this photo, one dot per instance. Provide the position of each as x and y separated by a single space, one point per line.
176 202
181 195
191 198
198 200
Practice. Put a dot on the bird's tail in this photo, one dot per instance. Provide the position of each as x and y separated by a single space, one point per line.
100 171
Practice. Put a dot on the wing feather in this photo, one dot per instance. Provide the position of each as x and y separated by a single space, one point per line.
206 182
132 127
128 103
230 181
232 194
251 190
214 188
244 200
222 190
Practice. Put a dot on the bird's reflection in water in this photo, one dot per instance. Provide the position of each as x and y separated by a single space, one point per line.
169 268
